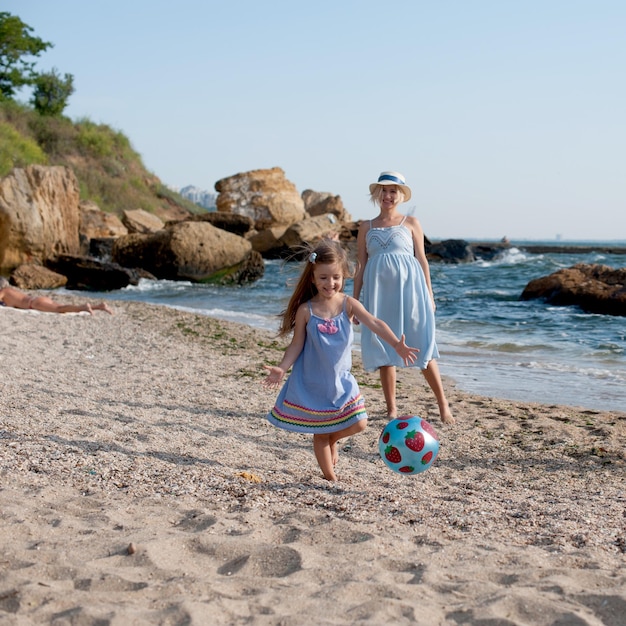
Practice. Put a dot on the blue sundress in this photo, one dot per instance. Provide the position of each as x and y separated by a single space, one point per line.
395 291
321 395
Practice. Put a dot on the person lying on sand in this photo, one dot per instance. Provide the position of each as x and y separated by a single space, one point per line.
13 297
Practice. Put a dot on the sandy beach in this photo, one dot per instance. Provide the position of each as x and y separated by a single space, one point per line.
141 484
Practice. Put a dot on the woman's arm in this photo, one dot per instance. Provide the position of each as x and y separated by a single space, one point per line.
361 256
420 253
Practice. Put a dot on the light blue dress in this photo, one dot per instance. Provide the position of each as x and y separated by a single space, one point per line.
395 291
321 395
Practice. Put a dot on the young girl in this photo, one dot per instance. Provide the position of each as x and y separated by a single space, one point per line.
321 396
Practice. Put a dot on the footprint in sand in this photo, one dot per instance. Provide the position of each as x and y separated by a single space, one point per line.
253 559
196 521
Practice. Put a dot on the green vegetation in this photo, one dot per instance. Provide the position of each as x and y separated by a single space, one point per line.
109 171
16 150
52 92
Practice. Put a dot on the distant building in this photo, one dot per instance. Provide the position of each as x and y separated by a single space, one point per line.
201 197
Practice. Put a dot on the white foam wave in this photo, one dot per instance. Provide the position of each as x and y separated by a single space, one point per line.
510 256
609 375
242 317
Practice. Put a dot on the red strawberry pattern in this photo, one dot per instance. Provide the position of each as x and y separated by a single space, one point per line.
429 429
392 454
402 425
407 469
414 440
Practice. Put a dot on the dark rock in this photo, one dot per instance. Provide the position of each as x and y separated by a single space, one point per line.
594 288
89 274
489 251
101 247
450 251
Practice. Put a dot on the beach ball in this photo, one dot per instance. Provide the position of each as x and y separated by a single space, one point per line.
408 445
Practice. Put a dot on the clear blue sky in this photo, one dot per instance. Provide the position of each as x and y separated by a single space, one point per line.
507 117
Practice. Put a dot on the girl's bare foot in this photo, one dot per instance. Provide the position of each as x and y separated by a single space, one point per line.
334 450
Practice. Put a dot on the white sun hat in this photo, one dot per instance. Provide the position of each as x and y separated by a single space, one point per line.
393 178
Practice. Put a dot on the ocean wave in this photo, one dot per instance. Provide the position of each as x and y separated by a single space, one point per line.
611 375
242 317
510 256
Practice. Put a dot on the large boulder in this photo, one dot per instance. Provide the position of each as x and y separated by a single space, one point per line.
232 222
39 215
268 242
96 224
308 232
34 276
140 221
322 203
265 196
194 251
291 241
594 288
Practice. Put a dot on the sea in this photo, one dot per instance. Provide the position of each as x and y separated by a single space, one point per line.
490 342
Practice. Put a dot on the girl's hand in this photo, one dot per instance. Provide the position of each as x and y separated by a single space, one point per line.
408 354
274 376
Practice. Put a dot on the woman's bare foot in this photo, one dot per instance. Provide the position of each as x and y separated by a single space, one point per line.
446 416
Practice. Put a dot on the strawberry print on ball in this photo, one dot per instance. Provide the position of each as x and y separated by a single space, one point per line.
408 445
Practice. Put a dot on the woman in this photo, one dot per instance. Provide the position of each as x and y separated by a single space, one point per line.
394 275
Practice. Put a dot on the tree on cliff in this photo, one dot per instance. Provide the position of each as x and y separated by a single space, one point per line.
17 46
51 92
16 43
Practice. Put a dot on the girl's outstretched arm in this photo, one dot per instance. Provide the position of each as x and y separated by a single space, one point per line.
408 354
277 372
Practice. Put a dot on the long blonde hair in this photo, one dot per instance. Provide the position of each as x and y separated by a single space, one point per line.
326 252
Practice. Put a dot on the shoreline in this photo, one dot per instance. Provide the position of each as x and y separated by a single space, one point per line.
148 428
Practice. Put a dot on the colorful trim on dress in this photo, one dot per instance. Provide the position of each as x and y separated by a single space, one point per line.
347 413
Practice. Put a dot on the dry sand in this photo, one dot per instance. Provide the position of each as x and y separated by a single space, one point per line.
141 484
